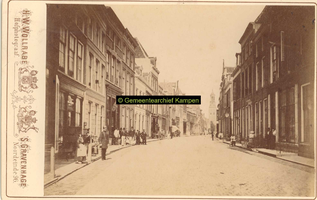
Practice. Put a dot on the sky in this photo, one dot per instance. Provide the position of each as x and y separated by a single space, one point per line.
190 41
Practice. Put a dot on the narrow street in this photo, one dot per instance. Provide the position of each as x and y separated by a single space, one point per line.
191 166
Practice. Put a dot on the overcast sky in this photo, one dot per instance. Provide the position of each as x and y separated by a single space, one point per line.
190 41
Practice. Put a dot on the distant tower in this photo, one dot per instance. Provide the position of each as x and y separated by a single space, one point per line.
212 109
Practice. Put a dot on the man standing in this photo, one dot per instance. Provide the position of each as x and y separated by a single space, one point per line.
113 142
116 136
123 137
273 137
144 137
268 137
132 135
137 142
104 140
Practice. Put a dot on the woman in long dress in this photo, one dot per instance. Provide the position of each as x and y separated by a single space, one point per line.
81 150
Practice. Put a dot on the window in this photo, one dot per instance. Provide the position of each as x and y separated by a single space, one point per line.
257 77
282 46
123 81
307 118
62 46
108 110
124 52
112 69
71 110
97 75
117 73
102 81
275 62
262 43
103 43
91 61
256 50
131 85
118 43
90 30
78 113
96 118
107 66
71 55
131 61
127 88
101 118
262 73
282 131
246 53
89 114
291 114
79 61
80 23
250 47
128 57
97 35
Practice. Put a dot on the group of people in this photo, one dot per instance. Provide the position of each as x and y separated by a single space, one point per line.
119 137
125 137
140 137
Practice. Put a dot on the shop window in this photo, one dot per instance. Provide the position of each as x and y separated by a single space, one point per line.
283 116
78 113
308 113
70 111
291 114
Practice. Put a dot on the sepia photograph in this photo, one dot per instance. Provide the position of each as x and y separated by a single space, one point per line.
251 132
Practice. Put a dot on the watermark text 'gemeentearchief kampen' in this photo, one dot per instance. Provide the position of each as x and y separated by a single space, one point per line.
185 99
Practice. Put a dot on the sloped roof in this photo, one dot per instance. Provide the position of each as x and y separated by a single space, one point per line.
168 87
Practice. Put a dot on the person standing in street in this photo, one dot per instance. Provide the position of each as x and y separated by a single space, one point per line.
212 135
273 137
233 140
123 137
113 138
116 136
104 140
137 142
144 137
81 150
268 137
120 136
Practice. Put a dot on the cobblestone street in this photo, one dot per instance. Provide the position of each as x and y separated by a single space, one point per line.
193 166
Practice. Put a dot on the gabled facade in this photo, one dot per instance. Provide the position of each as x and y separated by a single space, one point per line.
90 60
150 75
274 85
225 102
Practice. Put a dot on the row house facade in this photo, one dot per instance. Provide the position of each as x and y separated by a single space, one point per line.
177 113
149 76
163 118
225 108
142 120
273 82
90 60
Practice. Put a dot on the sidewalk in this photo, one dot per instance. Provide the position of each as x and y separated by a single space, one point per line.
69 168
287 156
